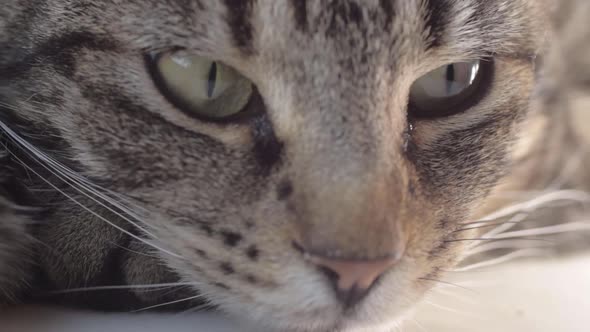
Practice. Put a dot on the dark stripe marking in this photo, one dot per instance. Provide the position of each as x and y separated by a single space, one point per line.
267 147
60 52
437 18
227 268
231 239
300 13
253 253
342 14
388 10
239 15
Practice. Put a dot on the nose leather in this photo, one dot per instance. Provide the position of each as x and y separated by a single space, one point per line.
353 279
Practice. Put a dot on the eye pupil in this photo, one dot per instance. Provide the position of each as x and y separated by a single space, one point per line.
450 79
212 79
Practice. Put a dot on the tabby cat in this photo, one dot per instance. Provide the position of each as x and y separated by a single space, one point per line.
300 165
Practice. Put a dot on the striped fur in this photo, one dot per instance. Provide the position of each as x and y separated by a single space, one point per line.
124 189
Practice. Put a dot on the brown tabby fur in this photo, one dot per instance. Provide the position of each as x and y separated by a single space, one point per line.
334 163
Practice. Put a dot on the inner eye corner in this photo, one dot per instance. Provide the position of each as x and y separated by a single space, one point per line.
218 94
434 95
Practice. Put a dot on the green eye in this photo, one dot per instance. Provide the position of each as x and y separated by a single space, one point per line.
450 89
202 87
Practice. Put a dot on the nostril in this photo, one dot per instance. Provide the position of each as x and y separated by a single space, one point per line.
331 276
351 297
298 247
353 273
348 297
352 279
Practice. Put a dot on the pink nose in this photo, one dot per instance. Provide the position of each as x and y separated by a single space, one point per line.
353 279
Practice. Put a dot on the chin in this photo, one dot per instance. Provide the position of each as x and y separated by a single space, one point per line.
381 311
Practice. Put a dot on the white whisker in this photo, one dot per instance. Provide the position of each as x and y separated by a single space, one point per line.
515 220
524 253
483 225
93 212
445 292
549 230
530 205
195 309
441 307
169 303
520 211
504 244
447 284
135 251
121 287
74 180
70 174
39 155
420 327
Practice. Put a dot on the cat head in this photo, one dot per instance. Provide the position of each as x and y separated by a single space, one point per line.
306 163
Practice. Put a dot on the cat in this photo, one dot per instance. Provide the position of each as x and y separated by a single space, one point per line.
300 165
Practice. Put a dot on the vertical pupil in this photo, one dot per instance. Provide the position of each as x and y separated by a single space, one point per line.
450 79
211 79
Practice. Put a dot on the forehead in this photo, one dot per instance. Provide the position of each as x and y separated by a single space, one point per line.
475 27
229 28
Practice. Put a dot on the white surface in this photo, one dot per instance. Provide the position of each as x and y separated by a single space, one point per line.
546 296
47 320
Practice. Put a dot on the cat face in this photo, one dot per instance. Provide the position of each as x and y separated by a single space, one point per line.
335 180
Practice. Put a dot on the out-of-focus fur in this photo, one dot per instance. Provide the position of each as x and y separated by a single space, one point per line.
334 159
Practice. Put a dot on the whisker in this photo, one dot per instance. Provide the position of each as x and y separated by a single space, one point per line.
502 244
196 309
524 253
444 292
549 230
438 306
80 186
522 210
516 219
42 156
480 239
530 205
486 223
483 226
523 234
420 327
119 287
174 289
72 176
447 283
135 251
169 303
93 212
